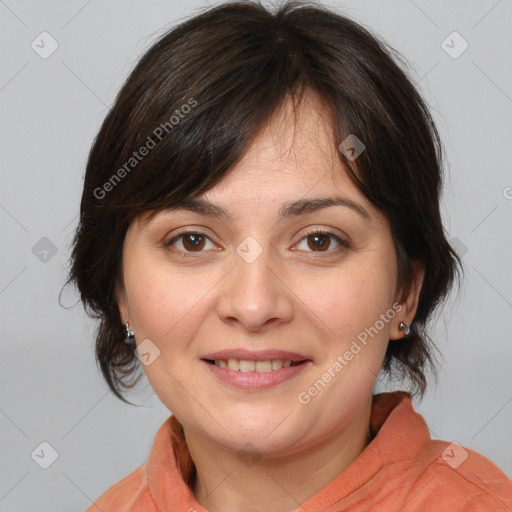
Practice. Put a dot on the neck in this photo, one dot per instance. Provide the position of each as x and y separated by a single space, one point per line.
224 484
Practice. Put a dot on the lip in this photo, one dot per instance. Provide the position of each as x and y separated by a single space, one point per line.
262 355
255 381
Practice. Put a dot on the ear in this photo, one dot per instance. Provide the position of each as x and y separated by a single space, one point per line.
122 303
408 299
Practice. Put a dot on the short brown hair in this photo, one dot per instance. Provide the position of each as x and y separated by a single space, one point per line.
235 64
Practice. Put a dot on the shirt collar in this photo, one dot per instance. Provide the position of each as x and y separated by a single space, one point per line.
399 433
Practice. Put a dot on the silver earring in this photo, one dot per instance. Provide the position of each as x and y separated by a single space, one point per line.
405 328
130 335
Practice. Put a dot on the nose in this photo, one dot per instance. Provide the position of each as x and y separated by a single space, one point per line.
254 294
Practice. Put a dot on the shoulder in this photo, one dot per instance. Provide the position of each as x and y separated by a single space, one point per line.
460 479
126 494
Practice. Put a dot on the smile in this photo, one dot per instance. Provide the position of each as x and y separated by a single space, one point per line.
245 365
255 375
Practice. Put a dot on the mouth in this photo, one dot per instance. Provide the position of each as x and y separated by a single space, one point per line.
253 371
247 365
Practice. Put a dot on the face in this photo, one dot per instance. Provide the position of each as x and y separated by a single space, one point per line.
278 278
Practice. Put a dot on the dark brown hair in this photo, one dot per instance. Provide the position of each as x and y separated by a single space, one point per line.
196 100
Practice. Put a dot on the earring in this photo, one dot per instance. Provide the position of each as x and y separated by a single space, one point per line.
130 335
405 328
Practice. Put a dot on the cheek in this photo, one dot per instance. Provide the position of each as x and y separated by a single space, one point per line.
165 306
350 299
162 301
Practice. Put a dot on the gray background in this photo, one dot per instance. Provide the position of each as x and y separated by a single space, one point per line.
51 110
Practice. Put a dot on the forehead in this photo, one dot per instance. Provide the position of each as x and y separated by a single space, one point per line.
297 136
295 154
293 158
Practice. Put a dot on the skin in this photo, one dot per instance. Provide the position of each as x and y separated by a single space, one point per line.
294 296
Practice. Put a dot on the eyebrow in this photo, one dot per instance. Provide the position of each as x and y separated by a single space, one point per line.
287 210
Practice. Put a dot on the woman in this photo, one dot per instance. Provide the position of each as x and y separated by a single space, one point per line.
260 232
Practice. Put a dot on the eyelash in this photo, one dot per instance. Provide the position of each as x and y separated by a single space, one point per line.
188 254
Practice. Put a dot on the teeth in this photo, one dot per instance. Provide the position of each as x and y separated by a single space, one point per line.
277 364
247 366
251 366
263 366
234 364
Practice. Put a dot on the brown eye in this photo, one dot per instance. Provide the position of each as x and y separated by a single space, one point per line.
318 242
193 242
321 242
190 242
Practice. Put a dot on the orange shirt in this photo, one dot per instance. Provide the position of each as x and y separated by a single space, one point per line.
402 469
